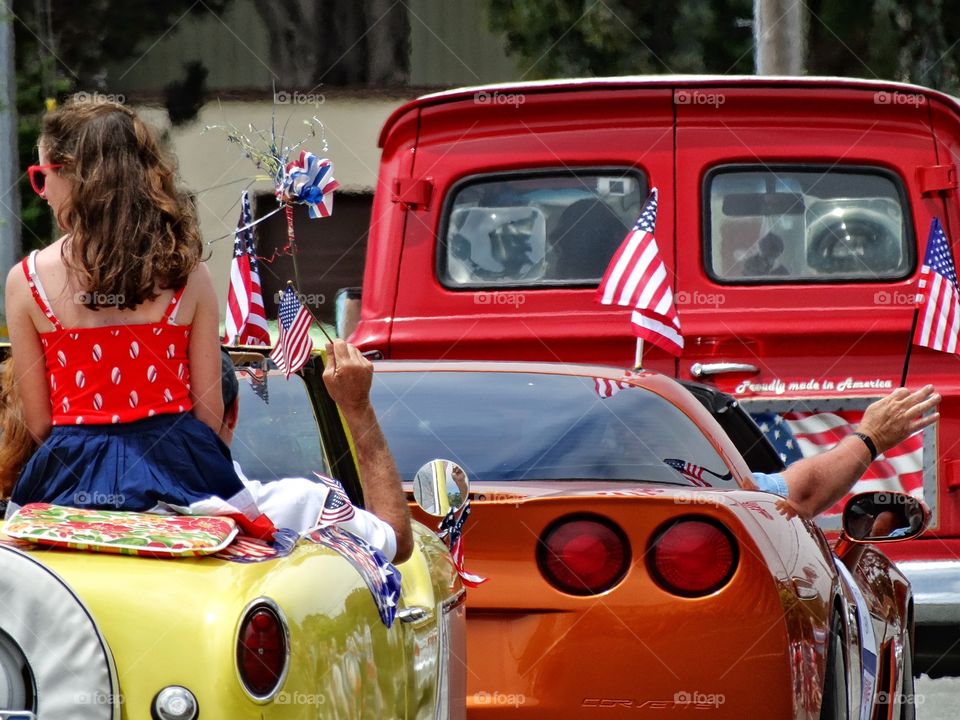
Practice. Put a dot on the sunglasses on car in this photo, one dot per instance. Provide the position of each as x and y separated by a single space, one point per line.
38 178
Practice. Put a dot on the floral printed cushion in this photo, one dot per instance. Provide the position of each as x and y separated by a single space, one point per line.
127 533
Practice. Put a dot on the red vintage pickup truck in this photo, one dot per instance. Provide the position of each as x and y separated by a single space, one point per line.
793 216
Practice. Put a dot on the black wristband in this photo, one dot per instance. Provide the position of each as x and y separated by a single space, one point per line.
871 446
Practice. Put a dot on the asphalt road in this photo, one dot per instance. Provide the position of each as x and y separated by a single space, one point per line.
938 699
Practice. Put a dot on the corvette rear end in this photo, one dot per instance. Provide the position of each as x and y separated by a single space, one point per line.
645 599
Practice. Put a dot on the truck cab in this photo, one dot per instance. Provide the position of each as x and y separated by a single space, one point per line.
793 217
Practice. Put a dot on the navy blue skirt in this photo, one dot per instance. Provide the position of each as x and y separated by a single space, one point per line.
162 460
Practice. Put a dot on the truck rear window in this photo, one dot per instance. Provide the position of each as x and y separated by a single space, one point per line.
780 224
525 230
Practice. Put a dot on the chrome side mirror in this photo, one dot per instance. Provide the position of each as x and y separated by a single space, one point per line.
346 308
441 486
872 517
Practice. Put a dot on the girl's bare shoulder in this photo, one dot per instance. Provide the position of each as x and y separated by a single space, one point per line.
198 290
50 260
199 283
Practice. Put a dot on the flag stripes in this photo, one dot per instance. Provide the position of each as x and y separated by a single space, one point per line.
939 298
636 277
605 388
246 320
294 345
939 328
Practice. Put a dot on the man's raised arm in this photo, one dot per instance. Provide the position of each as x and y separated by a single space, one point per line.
348 377
816 483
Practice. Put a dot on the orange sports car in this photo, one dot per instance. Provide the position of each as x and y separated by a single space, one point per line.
633 570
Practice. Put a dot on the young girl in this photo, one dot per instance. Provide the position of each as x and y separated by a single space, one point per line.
114 330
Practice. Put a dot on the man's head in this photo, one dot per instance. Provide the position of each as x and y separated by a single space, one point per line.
771 246
230 389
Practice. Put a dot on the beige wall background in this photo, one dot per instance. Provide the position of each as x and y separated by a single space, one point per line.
450 44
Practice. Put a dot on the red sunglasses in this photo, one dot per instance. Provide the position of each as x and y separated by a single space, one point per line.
38 178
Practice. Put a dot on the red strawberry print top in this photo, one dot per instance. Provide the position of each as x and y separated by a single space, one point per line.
116 373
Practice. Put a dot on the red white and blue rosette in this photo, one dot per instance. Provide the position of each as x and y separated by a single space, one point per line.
309 181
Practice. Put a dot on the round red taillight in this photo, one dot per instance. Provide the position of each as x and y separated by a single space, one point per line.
692 556
583 555
262 650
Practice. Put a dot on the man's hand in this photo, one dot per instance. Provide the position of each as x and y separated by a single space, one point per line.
891 420
788 509
348 376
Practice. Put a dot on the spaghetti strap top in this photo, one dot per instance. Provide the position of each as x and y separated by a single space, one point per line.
114 373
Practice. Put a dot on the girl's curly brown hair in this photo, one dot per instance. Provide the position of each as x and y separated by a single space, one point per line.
132 231
16 443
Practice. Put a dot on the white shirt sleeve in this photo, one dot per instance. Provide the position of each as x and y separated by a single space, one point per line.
374 530
296 503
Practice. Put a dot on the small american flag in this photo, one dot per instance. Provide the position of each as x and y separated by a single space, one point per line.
695 473
637 277
454 522
605 388
246 320
939 320
246 549
331 483
294 345
798 435
337 507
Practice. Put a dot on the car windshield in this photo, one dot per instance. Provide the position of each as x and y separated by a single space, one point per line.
503 426
277 435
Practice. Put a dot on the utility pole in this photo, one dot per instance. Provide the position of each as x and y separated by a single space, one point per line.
9 156
779 35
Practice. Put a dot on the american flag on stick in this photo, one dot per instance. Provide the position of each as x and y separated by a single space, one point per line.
939 298
637 278
246 320
294 345
453 523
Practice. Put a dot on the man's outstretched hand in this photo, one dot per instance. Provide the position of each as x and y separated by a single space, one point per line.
891 420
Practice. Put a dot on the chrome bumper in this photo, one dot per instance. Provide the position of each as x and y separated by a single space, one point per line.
936 590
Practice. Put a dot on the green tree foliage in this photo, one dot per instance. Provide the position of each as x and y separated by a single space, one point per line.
65 46
914 41
886 39
575 38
